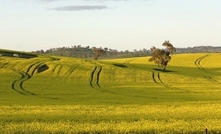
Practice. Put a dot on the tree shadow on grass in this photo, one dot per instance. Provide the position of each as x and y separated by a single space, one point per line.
161 70
120 65
42 68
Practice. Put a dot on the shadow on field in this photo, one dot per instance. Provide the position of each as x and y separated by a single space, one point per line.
161 70
54 59
120 65
42 68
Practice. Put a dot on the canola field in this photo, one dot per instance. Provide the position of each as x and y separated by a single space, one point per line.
49 94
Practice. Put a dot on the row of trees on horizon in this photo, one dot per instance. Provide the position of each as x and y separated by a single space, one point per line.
87 51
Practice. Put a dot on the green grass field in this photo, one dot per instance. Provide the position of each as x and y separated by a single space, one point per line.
49 94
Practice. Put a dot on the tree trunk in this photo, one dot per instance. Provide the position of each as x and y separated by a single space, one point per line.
95 56
164 68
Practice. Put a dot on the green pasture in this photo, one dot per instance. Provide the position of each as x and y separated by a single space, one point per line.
49 94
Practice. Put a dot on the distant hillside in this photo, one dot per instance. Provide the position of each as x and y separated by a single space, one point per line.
11 53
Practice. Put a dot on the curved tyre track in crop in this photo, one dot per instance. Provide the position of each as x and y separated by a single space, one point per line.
98 76
17 85
95 76
3 64
197 62
157 79
57 69
92 76
200 67
128 61
71 70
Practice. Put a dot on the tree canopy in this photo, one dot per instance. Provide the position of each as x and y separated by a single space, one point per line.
162 56
97 52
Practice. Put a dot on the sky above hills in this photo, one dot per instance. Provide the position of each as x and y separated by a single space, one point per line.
30 25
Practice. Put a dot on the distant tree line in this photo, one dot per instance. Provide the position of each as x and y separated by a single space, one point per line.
89 52
199 49
93 52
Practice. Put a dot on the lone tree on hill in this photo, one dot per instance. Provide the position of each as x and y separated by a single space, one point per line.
97 52
162 56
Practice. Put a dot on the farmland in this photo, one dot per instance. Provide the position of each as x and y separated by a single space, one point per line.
49 94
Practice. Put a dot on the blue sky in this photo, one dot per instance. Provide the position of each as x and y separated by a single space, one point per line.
29 25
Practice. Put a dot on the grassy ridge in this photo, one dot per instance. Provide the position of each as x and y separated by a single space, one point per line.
110 96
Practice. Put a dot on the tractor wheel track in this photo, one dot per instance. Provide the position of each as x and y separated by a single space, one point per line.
128 61
71 70
98 75
198 64
158 76
17 85
153 78
92 76
15 81
157 79
59 70
200 67
95 78
57 66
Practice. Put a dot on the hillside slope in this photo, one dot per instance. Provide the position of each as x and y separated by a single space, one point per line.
61 80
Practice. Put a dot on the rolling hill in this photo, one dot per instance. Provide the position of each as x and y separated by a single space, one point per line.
52 94
189 77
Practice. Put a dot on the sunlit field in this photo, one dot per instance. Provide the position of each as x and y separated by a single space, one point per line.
49 94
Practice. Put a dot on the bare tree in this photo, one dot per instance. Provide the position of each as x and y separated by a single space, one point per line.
162 56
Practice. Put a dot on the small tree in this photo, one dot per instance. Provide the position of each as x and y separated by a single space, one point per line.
162 56
97 52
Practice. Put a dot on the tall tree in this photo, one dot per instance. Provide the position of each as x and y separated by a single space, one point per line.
97 52
162 56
